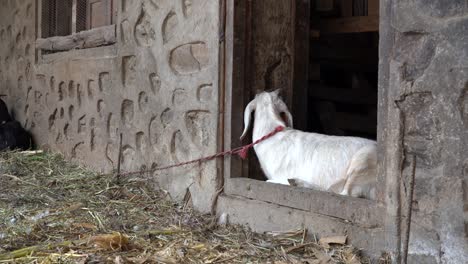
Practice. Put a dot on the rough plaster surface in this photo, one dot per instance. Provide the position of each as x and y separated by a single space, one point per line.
428 83
157 86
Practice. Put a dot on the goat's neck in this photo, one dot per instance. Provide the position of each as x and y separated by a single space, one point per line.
265 122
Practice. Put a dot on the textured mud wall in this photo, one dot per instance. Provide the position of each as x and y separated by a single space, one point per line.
158 85
424 86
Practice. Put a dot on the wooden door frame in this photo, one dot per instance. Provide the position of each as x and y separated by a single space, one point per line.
360 212
237 54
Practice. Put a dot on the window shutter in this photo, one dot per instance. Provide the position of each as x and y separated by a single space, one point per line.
63 15
99 13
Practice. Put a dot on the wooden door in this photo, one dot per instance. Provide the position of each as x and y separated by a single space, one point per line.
270 51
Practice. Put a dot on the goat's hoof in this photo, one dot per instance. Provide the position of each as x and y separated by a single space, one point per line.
344 193
292 182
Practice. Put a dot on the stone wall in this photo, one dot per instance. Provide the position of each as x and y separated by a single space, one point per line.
423 89
158 86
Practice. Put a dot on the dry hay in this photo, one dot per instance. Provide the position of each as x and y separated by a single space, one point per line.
52 211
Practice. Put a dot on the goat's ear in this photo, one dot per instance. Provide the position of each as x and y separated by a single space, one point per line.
247 114
285 114
277 92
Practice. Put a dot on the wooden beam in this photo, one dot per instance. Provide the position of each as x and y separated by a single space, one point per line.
349 25
85 39
365 213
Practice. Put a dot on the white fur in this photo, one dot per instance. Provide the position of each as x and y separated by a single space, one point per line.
345 165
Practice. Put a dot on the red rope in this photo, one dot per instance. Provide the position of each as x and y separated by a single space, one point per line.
241 151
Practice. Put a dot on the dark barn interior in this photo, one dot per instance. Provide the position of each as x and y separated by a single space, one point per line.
341 82
343 68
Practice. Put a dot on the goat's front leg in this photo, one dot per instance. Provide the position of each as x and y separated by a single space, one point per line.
278 181
304 184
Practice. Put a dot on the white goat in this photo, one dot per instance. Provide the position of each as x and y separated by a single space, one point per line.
344 165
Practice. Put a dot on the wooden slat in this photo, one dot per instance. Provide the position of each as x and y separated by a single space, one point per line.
373 7
360 211
262 217
350 25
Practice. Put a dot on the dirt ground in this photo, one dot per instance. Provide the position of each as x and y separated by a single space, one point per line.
52 211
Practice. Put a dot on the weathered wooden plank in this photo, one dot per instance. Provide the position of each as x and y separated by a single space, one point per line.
362 212
84 39
350 25
262 217
235 61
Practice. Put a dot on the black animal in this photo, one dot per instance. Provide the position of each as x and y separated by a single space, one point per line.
12 135
4 115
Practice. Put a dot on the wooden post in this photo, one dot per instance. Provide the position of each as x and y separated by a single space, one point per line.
73 26
300 65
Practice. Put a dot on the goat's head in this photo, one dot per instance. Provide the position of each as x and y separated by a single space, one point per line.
270 105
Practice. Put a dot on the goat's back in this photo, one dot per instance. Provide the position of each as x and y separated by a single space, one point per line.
319 159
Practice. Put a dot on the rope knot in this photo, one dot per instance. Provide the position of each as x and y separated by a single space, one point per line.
243 151
279 129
